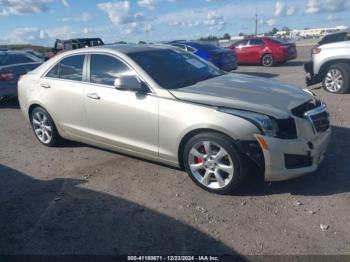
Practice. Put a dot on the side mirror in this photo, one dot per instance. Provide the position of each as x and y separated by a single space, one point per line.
128 83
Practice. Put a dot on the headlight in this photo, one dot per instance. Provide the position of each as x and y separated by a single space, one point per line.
316 51
309 92
265 123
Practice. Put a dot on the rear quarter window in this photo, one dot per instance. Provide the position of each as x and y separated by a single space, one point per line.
256 42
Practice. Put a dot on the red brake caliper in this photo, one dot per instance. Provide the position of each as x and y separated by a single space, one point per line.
200 160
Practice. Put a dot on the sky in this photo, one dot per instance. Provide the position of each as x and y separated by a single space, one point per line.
42 21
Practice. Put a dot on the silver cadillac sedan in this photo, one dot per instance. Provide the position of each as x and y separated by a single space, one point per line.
164 104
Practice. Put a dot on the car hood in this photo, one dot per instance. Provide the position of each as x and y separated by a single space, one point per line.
245 92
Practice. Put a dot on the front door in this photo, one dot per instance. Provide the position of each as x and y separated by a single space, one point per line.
124 119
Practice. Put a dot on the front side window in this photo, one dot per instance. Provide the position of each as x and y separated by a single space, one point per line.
172 68
70 68
105 69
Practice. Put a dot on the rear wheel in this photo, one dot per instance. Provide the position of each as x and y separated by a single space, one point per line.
337 79
213 163
267 60
44 128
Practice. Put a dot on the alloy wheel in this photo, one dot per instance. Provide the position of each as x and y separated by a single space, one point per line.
334 80
211 164
42 127
267 60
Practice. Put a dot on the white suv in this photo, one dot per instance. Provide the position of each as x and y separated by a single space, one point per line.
331 63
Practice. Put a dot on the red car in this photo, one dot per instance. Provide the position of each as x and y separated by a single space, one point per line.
264 50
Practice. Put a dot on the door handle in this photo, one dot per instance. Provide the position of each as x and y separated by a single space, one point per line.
93 96
45 85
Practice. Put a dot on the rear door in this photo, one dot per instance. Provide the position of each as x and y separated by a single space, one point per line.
255 50
62 90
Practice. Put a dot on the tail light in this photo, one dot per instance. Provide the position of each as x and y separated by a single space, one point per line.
7 76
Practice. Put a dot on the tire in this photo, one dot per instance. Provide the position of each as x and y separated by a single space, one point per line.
337 79
206 168
267 60
44 127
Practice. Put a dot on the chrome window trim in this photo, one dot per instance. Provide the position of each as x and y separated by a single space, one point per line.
44 75
318 110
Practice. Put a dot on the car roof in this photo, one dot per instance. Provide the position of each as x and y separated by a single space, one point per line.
13 52
333 37
89 38
131 48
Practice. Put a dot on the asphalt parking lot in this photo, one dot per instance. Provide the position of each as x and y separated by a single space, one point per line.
77 199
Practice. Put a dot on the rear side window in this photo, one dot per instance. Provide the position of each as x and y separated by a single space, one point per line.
256 42
105 69
70 68
12 59
242 43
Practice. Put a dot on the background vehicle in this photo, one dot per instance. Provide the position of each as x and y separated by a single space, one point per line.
71 44
164 104
221 57
13 64
35 53
330 63
264 50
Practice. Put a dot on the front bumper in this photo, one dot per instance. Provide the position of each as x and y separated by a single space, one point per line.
311 78
275 156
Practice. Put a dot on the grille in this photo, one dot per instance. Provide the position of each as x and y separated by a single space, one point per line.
320 121
302 109
316 112
319 118
297 161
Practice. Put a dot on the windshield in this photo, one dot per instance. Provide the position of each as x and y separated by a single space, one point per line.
173 69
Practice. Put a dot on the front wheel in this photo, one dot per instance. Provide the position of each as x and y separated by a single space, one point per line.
337 79
213 163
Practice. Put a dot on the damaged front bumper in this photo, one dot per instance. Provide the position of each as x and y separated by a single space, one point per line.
286 159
